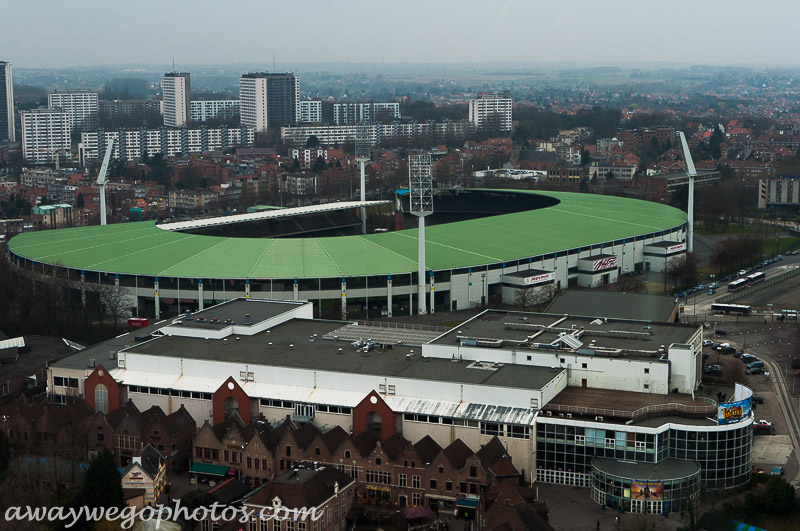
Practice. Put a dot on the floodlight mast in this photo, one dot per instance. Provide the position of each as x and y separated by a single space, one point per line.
420 189
101 181
691 172
362 150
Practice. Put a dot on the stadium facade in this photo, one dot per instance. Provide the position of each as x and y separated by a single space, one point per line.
564 240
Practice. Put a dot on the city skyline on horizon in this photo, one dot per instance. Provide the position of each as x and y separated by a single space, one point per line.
425 34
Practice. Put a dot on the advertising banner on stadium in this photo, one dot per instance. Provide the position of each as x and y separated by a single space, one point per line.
604 263
731 412
538 279
647 490
676 248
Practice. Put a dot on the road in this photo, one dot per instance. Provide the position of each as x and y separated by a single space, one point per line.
698 304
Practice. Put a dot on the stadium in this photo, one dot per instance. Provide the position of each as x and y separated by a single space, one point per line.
482 246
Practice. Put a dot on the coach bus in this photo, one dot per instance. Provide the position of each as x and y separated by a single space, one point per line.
733 309
736 285
756 277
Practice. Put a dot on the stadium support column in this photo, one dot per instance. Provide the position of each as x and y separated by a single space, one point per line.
389 297
690 217
363 198
200 293
421 295
296 289
158 304
247 288
344 299
116 281
83 289
432 293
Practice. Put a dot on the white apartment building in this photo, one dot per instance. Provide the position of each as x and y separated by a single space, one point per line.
6 103
133 144
80 105
269 99
491 110
45 135
176 90
204 110
310 112
780 191
356 113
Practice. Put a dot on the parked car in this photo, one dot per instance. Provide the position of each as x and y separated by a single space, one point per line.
707 343
755 371
712 369
706 325
738 354
763 426
797 373
721 331
755 364
777 471
748 358
757 399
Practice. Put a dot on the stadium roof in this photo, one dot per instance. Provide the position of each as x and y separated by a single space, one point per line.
142 248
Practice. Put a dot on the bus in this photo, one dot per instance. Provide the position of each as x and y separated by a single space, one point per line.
756 277
734 309
736 285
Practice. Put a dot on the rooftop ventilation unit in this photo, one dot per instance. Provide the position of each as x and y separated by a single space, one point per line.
597 322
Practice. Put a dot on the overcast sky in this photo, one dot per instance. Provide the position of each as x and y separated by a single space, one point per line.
50 33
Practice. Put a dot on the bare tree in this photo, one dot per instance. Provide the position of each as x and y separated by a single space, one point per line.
115 303
524 297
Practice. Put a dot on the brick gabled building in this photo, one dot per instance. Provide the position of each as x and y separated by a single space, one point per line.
130 433
172 436
326 490
100 431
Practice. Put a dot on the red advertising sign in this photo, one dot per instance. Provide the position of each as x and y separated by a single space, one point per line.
676 248
538 279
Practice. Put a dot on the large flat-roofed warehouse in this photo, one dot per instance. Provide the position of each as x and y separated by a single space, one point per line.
560 392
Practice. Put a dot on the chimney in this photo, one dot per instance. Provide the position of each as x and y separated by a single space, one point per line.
247 319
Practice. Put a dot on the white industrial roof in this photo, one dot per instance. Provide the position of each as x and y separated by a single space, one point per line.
267 214
11 343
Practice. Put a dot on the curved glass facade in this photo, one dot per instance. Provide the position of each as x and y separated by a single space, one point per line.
565 449
651 496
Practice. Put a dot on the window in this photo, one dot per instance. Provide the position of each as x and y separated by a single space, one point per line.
416 498
529 358
448 486
198 452
256 463
288 451
561 360
215 454
416 482
347 454
227 455
580 440
647 386
101 398
473 471
249 463
100 434
433 484
316 451
639 446
289 525
402 480
441 469
647 371
462 487
488 428
264 464
377 460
